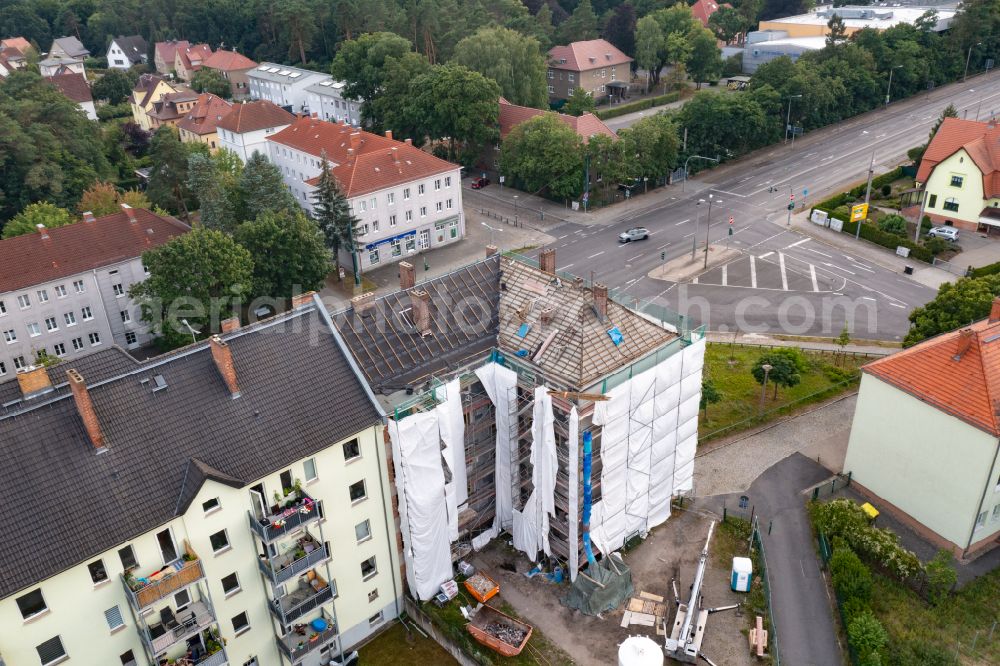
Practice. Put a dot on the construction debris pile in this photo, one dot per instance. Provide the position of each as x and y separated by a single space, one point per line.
506 633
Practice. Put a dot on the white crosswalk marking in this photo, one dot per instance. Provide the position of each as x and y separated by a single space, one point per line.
797 243
725 275
812 274
784 278
753 272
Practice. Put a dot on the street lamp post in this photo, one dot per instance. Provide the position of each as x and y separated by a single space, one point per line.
788 117
708 226
888 88
868 195
697 222
691 157
493 230
767 367
515 205
967 59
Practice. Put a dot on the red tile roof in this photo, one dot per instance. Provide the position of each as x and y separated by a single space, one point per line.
704 9
194 56
19 43
205 114
144 88
31 259
585 56
253 116
377 162
12 53
167 50
587 125
165 108
980 140
228 61
965 384
73 85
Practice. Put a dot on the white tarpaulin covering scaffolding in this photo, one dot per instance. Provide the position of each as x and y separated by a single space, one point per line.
648 439
573 513
531 524
451 424
423 511
501 386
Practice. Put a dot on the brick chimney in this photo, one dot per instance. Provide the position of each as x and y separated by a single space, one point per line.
364 303
995 310
547 261
407 276
33 381
355 141
302 299
314 115
85 408
88 216
420 302
395 155
388 134
547 315
491 250
965 338
409 141
601 301
42 231
223 358
130 212
230 325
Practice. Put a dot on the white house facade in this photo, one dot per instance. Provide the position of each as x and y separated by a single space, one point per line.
283 85
326 99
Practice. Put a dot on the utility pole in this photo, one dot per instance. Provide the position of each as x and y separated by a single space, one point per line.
920 215
691 157
888 88
791 205
868 195
697 221
708 226
967 59
788 117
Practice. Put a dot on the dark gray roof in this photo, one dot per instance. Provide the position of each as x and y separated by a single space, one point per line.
464 307
133 46
71 46
299 394
94 367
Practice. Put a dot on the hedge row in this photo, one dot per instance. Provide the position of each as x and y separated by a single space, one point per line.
845 198
641 105
983 271
875 235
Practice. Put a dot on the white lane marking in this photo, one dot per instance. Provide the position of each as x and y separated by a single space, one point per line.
732 194
631 281
753 272
765 255
897 305
677 224
828 256
784 278
812 274
694 281
863 268
663 246
725 275
635 257
868 298
842 269
566 266
797 243
561 237
596 255
580 231
688 235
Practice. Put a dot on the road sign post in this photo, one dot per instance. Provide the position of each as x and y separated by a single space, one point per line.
791 206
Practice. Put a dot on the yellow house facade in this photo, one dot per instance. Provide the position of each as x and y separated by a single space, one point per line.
292 566
144 96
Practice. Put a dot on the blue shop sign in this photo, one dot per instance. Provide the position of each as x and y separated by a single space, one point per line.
372 246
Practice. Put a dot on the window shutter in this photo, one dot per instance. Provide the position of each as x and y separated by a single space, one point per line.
50 650
114 617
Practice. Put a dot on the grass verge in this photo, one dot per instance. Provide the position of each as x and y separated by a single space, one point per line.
396 645
728 368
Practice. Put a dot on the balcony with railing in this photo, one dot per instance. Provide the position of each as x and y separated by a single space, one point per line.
311 593
144 591
300 558
292 512
172 628
308 637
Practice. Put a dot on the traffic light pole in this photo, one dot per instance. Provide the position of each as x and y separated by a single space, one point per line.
791 205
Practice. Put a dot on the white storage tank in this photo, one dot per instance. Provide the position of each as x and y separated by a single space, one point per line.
640 651
742 574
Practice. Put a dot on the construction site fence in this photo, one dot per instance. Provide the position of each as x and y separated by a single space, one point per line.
786 408
772 634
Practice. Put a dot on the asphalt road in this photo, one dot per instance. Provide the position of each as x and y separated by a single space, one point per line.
783 282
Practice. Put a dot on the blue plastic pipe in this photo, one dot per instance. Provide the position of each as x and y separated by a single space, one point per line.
587 497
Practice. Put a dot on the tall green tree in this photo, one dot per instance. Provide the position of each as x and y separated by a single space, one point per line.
512 60
705 61
838 30
609 165
262 190
581 25
787 366
211 81
727 24
168 178
544 153
201 276
289 255
393 104
650 48
42 212
361 64
580 102
333 215
620 29
460 104
113 86
957 304
215 193
651 144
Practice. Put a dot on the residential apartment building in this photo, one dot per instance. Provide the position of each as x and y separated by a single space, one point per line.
595 65
64 291
199 123
405 199
284 85
326 99
258 533
244 130
126 52
960 175
148 90
925 439
165 52
234 67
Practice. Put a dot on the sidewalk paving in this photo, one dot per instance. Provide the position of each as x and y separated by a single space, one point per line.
825 344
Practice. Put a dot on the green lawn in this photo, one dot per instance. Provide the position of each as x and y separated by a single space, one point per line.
397 646
952 626
728 367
